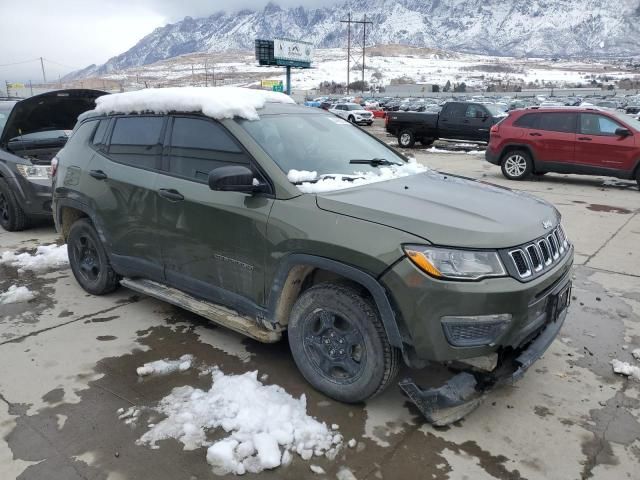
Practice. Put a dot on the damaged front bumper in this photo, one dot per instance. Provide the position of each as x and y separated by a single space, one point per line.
464 392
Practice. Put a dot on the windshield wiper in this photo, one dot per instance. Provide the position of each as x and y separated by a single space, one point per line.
374 162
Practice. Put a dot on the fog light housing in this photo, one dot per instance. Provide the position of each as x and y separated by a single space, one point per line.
474 330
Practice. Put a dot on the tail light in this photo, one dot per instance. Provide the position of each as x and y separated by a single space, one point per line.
386 120
54 166
495 129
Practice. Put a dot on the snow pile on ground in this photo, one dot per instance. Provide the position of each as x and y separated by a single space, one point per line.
215 102
475 152
265 424
636 354
16 294
625 368
165 367
440 150
332 182
345 474
46 256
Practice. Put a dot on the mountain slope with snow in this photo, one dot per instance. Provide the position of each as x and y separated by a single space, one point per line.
587 28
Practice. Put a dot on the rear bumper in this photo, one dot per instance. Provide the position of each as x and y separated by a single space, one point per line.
465 391
492 156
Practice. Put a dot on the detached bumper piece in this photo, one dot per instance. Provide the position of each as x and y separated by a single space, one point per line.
466 390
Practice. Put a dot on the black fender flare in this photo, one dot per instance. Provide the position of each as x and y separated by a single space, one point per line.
369 282
62 202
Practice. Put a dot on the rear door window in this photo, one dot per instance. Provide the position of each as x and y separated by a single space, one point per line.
557 122
594 124
199 145
475 111
136 141
455 110
529 120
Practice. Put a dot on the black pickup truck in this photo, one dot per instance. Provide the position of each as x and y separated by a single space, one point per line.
457 121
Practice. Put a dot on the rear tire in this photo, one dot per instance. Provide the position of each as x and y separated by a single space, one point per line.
339 344
406 139
517 165
12 217
638 177
88 259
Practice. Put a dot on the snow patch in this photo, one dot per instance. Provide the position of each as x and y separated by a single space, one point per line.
345 474
625 368
317 469
264 424
329 183
16 294
46 256
296 176
165 367
636 353
215 102
440 150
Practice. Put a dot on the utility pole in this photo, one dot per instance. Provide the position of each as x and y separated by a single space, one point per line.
205 74
44 77
193 81
31 87
351 60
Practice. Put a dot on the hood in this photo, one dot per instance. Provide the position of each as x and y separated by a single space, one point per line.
447 210
57 110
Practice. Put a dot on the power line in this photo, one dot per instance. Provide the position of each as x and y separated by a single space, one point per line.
19 63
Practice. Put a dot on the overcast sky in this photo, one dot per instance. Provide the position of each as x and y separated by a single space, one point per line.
77 33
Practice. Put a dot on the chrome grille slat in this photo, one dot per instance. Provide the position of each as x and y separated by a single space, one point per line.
541 254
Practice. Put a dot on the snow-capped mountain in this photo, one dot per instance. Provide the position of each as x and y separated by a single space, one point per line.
588 28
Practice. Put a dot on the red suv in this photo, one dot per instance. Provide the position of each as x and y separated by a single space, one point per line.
584 140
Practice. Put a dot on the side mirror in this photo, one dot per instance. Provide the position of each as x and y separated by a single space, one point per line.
623 132
235 178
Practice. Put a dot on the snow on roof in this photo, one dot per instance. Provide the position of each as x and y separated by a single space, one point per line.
215 102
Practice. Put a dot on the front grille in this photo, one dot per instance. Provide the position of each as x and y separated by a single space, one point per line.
541 254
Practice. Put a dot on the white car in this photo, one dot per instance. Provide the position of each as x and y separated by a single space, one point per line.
353 113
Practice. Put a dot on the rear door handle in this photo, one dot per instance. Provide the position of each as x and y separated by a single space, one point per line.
171 194
98 174
588 139
534 134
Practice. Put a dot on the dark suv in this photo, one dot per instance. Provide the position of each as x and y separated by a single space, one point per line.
584 140
299 222
32 131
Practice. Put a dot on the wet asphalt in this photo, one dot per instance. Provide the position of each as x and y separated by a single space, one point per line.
68 361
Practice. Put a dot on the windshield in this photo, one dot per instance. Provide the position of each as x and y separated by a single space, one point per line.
321 143
632 122
5 109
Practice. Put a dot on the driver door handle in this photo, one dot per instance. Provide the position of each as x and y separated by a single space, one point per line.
534 134
98 174
588 139
171 194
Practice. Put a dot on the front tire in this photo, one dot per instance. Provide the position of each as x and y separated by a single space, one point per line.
88 259
517 165
352 119
406 139
338 342
12 217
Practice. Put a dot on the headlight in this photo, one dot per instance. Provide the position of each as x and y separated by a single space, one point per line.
35 172
449 263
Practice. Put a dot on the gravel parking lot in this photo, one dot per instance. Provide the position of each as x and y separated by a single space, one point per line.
69 363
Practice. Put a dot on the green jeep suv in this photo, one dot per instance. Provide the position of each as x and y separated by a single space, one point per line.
268 217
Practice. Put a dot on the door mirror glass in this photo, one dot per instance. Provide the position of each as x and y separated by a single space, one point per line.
623 132
235 178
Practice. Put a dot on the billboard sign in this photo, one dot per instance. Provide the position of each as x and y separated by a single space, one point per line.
270 83
292 50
